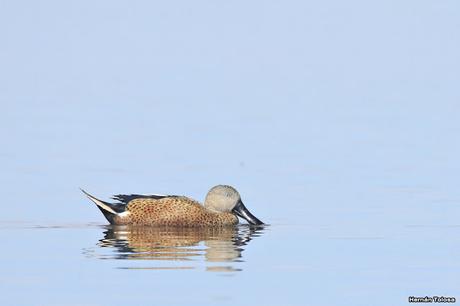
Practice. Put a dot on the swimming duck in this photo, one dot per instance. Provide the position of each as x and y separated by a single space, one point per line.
222 206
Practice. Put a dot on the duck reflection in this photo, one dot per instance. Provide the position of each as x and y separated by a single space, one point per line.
212 245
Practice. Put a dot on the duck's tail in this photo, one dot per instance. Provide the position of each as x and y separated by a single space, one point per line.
109 210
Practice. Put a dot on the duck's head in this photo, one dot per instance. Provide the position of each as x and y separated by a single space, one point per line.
223 198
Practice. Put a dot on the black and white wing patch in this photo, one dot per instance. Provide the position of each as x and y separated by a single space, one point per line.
126 198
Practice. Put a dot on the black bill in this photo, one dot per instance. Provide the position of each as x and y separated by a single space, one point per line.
241 211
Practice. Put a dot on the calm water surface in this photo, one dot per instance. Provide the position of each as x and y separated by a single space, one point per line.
337 121
91 264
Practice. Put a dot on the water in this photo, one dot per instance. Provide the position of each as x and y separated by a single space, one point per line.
337 122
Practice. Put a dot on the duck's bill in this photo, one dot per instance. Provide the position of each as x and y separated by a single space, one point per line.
241 211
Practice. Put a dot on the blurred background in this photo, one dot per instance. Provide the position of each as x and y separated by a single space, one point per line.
337 121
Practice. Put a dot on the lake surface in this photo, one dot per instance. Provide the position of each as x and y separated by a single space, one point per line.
337 122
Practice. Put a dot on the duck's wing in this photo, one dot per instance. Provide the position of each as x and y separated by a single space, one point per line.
126 198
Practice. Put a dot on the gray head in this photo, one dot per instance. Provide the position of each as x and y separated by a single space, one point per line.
224 198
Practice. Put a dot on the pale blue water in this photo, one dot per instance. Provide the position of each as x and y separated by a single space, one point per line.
338 122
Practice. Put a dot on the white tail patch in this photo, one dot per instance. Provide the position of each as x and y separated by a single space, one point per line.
124 214
99 203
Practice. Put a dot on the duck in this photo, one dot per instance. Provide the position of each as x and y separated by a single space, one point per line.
222 207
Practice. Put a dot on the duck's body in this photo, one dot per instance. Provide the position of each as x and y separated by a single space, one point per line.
172 211
159 210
